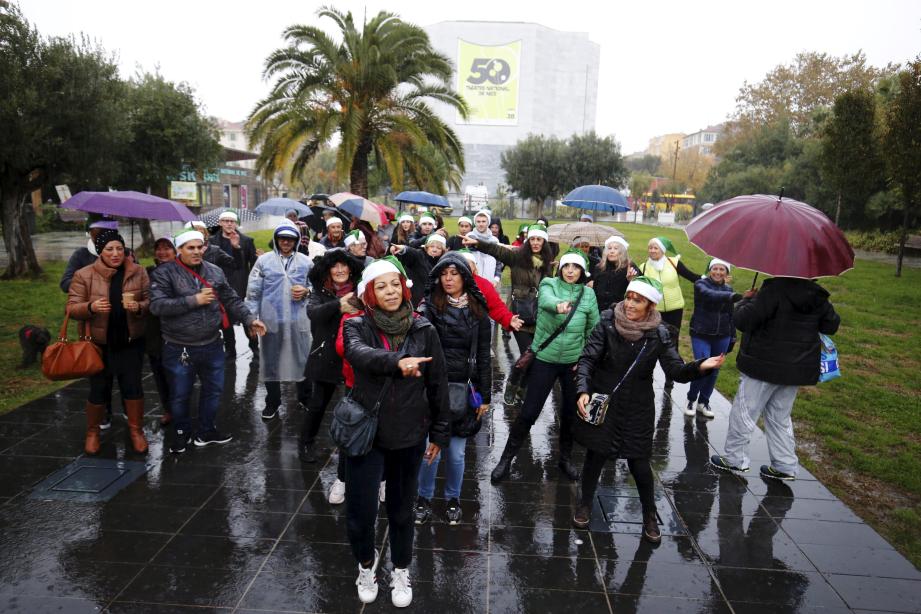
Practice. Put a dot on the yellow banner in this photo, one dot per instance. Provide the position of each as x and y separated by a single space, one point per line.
487 77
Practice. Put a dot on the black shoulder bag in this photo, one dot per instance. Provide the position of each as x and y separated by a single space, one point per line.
458 397
598 404
353 427
516 379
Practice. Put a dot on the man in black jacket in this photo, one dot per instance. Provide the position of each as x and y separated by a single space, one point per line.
780 351
242 250
194 302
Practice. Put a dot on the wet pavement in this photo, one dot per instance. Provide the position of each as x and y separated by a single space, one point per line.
245 527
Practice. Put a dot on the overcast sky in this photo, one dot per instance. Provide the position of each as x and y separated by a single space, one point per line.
665 66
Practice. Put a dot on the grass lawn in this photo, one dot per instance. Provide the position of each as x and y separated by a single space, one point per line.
860 434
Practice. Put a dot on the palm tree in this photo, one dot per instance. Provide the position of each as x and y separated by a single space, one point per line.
372 89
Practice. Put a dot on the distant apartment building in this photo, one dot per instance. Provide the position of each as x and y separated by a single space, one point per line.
703 140
664 145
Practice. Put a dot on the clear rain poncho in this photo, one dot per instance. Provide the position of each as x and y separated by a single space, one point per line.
283 350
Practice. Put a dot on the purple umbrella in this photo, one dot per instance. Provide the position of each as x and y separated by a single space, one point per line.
129 204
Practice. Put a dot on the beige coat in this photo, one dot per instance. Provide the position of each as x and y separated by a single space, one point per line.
92 283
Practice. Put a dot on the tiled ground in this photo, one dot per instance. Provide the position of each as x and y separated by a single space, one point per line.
246 528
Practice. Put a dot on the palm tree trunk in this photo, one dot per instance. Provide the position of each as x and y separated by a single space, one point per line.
358 175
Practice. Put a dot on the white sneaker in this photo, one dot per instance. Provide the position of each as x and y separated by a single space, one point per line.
336 492
367 582
689 410
382 492
704 410
402 593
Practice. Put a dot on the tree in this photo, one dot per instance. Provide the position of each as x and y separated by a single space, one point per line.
792 92
537 168
851 158
167 131
639 185
648 163
372 88
595 160
902 150
61 120
690 169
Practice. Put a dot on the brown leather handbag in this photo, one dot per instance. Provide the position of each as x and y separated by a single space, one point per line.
65 359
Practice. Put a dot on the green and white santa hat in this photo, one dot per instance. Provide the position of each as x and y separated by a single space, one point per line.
333 221
618 240
575 256
665 244
538 230
428 218
382 266
356 236
406 217
467 254
464 219
188 235
229 215
436 238
716 261
647 287
523 228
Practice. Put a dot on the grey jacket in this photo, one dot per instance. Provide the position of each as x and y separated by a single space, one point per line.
182 320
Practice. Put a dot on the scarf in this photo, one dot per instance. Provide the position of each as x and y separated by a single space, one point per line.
485 237
117 329
537 261
658 264
341 290
394 324
460 302
631 330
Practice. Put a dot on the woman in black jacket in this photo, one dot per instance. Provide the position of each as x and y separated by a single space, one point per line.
389 343
419 262
618 360
334 278
457 309
611 276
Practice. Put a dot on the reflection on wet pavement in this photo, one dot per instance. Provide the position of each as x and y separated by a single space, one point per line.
246 527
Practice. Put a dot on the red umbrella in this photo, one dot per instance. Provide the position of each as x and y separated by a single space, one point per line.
773 235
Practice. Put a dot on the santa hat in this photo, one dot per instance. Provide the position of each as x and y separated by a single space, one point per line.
194 224
382 266
229 215
618 240
406 218
538 230
647 287
188 235
356 236
436 238
464 219
333 220
575 256
522 229
428 218
467 254
667 247
716 261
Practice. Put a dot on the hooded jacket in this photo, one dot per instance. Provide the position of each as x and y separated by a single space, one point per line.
325 313
780 331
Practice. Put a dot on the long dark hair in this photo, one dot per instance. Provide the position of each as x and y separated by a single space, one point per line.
523 255
439 300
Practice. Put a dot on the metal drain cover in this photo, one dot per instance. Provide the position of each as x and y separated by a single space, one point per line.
88 480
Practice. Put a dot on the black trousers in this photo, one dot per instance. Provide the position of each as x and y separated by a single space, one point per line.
160 379
125 365
523 339
674 318
230 341
363 479
273 393
320 396
639 468
541 378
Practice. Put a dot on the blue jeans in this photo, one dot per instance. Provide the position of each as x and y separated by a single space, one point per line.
206 362
706 347
454 472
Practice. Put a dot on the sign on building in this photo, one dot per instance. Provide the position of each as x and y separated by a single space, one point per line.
488 78
183 190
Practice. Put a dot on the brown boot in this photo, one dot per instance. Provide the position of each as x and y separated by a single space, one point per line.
95 414
135 410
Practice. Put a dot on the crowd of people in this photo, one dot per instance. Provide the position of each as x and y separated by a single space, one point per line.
405 323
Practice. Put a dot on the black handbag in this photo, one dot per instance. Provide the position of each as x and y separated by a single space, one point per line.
353 427
459 393
526 308
514 386
599 402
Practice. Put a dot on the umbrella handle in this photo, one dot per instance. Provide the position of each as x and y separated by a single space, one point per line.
755 280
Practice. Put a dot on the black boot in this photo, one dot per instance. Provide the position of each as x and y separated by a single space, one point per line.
516 437
566 442
306 452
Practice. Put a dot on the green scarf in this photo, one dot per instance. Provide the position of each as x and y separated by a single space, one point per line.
394 324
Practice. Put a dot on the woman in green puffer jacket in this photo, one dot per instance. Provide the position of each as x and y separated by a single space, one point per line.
557 298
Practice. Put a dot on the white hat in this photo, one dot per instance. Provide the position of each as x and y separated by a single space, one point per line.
406 217
486 213
287 229
188 235
229 215
537 230
378 268
618 240
437 238
577 259
716 261
195 224
356 236
467 254
428 218
464 218
333 220
641 287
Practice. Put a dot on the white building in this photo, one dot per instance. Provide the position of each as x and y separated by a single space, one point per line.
703 140
519 79
233 137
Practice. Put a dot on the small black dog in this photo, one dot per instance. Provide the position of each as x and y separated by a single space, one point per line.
33 340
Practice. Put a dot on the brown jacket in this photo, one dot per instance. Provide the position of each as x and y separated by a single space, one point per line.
92 283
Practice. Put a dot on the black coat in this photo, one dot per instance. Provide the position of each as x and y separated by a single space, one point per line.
415 407
712 309
780 331
418 265
325 312
610 286
244 258
628 427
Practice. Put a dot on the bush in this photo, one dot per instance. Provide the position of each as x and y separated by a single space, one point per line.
683 212
876 240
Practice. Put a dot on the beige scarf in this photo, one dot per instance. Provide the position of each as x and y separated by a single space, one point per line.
634 330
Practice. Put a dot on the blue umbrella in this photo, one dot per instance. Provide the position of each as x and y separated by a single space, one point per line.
596 198
423 198
280 206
